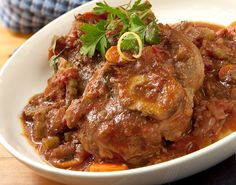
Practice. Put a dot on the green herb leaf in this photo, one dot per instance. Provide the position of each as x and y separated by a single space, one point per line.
137 26
129 43
101 25
94 38
104 7
136 23
135 5
102 45
98 9
152 35
55 59
138 6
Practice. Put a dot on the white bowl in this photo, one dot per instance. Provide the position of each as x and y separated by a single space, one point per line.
27 71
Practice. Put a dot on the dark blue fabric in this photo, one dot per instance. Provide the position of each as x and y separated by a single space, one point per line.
28 16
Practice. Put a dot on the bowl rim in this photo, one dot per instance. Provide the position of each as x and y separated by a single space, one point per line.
47 167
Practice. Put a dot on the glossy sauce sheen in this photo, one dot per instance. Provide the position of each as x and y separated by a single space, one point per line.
213 117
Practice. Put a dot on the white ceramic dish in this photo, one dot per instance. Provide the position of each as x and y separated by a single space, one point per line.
27 71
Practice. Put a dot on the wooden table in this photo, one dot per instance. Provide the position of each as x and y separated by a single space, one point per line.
12 172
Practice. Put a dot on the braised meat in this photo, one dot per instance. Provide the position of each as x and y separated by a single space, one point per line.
128 110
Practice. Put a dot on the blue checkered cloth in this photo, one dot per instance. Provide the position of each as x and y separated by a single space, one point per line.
27 16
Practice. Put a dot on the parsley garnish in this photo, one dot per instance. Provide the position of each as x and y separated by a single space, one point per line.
119 12
94 38
131 19
138 6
